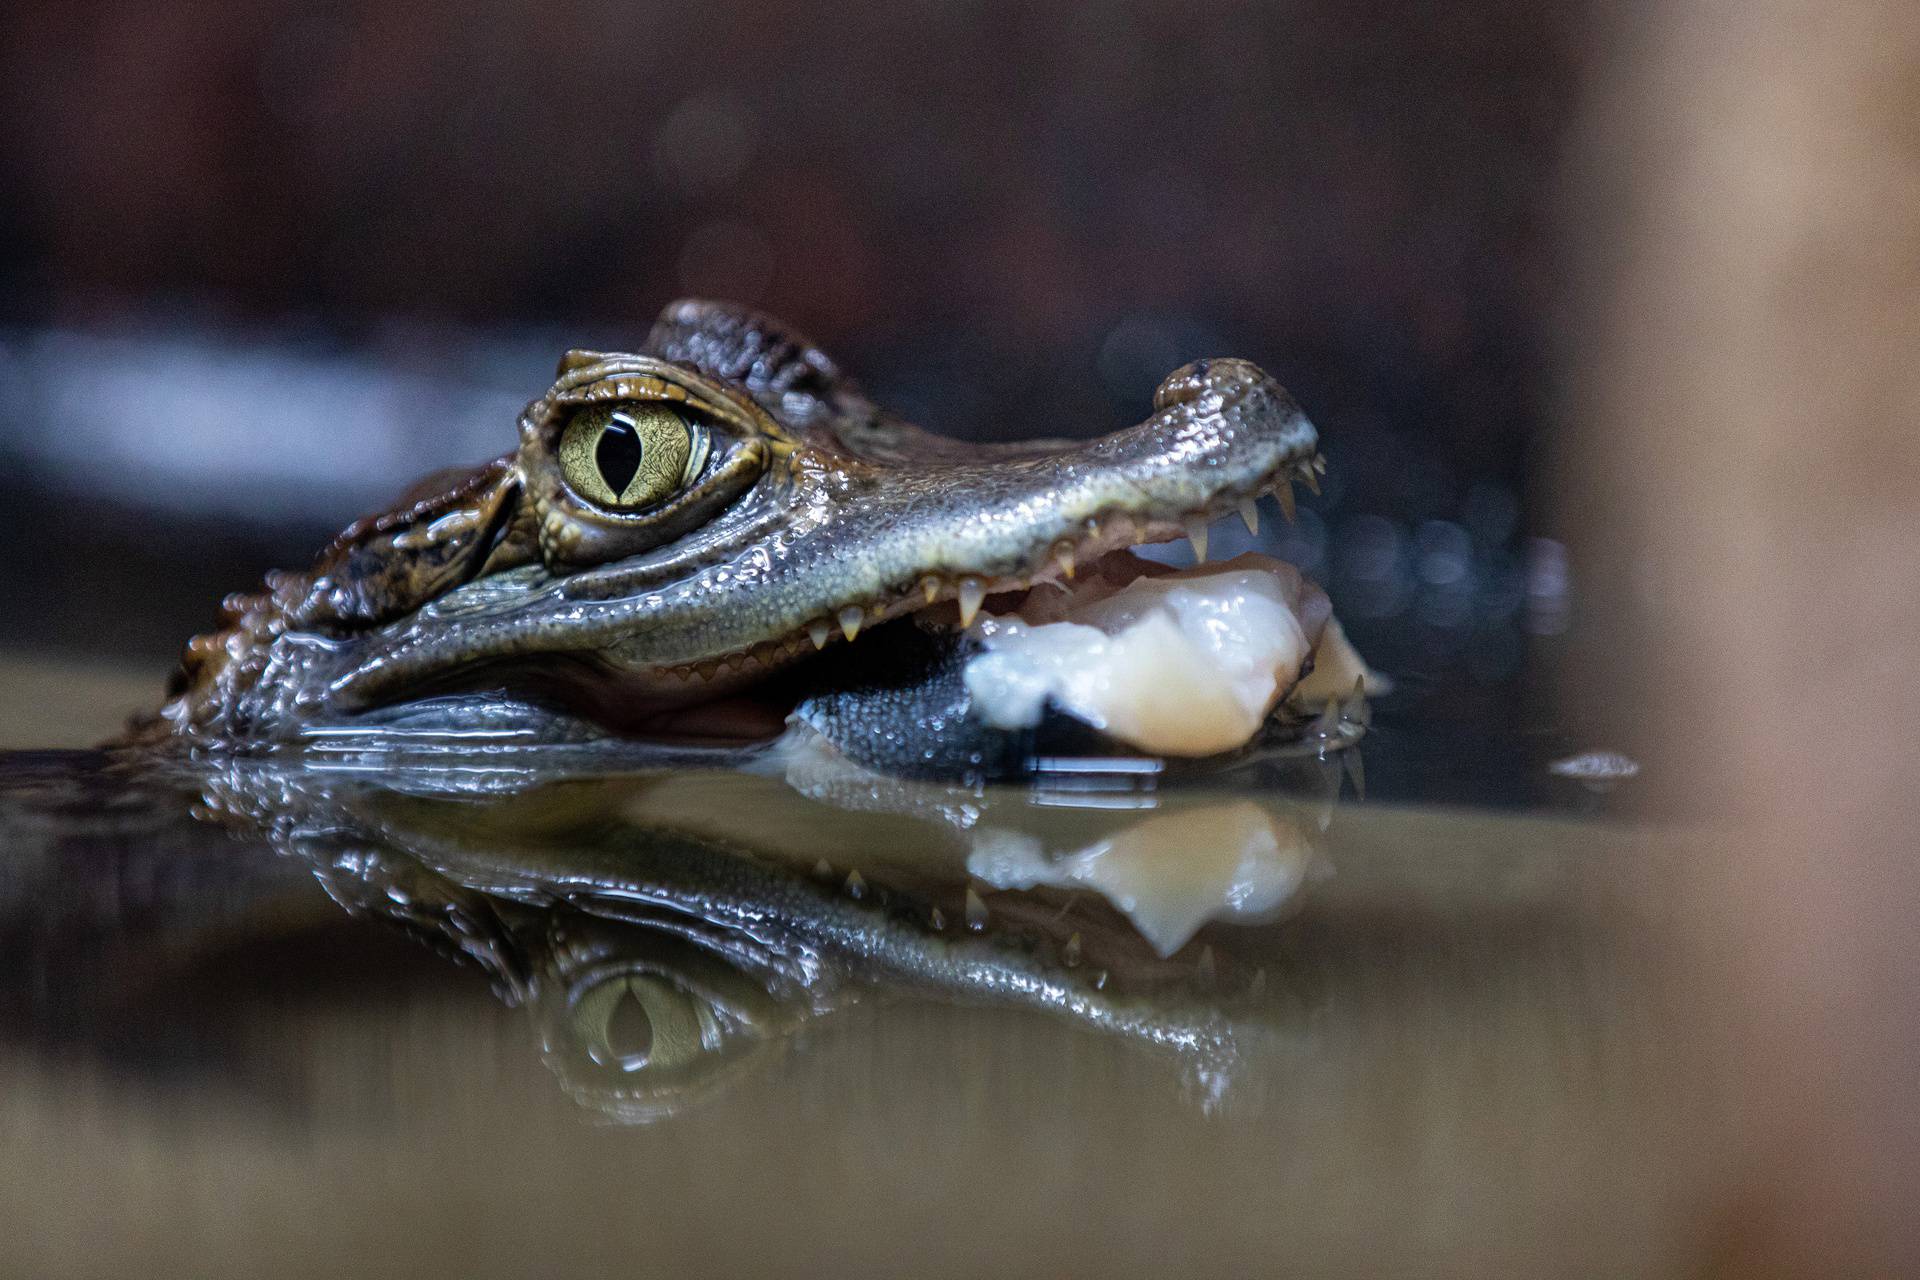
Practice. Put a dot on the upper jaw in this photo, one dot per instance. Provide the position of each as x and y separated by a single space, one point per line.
825 548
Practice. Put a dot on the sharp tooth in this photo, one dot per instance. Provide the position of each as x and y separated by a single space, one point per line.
1250 515
972 592
733 660
856 884
1284 492
823 869
976 911
1320 463
1329 791
937 918
1070 954
1063 555
818 630
1197 535
707 668
1356 770
1311 479
930 588
850 619
1355 708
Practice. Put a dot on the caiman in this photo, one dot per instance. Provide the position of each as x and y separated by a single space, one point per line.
720 537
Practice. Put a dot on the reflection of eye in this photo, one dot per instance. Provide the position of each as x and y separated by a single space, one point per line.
631 455
636 1021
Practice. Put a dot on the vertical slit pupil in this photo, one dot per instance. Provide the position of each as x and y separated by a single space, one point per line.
618 455
629 1030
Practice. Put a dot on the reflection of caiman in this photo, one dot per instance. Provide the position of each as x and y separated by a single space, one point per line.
680 531
666 929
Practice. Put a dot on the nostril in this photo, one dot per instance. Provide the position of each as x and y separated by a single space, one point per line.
1205 377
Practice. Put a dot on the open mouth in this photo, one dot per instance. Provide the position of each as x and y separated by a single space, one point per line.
1140 656
1178 662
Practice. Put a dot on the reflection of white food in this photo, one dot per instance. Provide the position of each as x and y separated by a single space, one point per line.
1182 664
1169 874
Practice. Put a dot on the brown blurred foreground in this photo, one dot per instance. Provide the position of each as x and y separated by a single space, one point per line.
49 703
1748 488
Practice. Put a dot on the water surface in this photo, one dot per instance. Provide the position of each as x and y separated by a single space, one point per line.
475 1017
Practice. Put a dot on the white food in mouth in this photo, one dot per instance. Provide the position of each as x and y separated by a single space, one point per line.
1178 664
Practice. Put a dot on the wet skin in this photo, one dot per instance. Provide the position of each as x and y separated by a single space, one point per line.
684 530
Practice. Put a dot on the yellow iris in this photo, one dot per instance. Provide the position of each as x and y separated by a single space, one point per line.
630 456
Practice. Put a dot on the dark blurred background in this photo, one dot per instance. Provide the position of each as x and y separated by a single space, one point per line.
259 265
264 263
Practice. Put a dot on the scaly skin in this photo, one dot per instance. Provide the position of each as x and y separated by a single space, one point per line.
817 516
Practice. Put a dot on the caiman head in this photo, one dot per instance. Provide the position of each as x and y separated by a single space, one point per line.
683 531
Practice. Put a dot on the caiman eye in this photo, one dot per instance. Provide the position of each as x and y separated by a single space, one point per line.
630 456
638 1021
